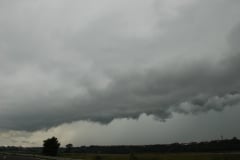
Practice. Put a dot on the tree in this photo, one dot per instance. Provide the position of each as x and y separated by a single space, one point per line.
51 146
69 148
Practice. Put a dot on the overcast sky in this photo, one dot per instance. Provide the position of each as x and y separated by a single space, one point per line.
119 71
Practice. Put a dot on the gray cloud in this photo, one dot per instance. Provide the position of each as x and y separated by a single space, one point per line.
68 61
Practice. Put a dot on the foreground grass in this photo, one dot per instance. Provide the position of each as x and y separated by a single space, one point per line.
156 156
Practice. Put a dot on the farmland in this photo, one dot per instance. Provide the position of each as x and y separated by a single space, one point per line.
157 156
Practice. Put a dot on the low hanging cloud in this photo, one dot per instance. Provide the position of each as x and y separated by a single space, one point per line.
66 61
203 104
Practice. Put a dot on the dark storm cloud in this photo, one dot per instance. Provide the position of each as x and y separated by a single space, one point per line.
116 62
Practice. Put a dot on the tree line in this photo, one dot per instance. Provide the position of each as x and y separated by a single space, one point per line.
226 145
51 147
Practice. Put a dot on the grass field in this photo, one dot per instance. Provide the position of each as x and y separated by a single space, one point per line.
155 156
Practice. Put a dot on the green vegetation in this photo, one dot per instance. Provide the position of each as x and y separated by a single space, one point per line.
156 156
51 146
69 148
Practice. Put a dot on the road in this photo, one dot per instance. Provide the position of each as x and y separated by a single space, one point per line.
10 157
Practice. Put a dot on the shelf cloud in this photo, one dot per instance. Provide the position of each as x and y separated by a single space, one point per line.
64 61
